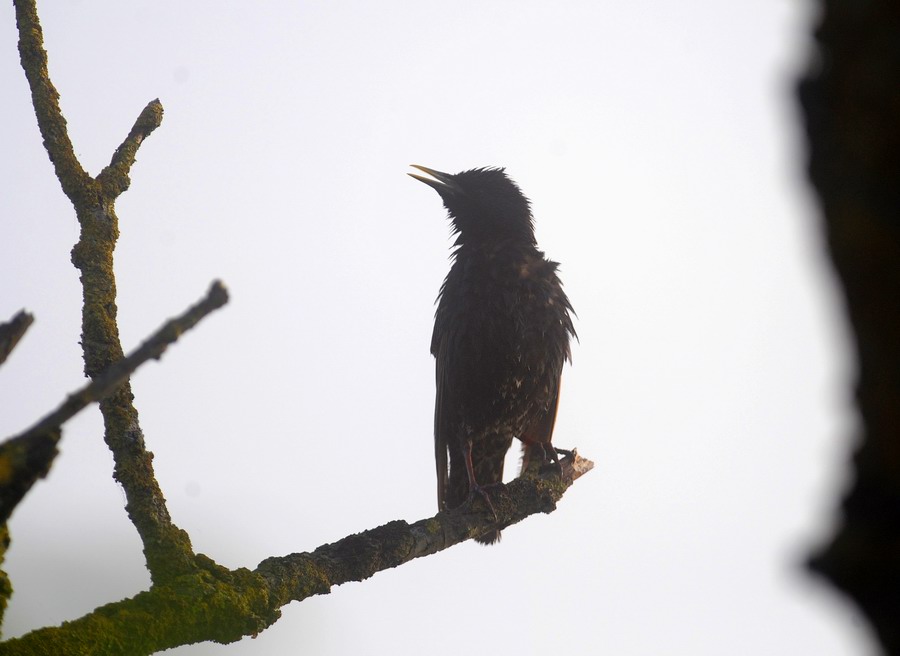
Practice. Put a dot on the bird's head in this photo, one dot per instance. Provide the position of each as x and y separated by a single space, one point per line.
483 204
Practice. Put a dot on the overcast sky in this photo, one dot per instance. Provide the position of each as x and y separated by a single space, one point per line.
659 143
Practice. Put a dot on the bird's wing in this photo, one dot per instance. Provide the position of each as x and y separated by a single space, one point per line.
441 421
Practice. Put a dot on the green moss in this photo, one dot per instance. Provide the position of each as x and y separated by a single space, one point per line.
6 589
214 604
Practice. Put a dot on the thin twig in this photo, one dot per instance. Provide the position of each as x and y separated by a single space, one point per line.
114 178
152 348
28 455
12 331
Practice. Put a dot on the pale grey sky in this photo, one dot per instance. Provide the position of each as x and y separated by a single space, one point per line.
659 143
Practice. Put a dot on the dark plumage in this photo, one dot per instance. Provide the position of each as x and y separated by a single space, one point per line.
501 336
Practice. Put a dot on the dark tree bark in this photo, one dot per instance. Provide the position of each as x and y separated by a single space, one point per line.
851 102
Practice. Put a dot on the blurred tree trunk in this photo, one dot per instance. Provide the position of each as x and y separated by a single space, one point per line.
851 103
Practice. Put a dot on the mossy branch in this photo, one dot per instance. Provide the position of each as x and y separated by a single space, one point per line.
5 584
357 557
222 605
166 548
114 178
44 97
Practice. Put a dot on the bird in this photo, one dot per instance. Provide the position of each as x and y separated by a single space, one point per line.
502 333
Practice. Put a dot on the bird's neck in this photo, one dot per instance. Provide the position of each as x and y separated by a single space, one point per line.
472 243
510 247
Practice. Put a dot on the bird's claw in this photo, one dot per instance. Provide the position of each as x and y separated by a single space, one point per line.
566 453
482 492
552 462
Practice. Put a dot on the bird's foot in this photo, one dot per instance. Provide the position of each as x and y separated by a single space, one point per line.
566 453
551 463
549 460
550 467
481 491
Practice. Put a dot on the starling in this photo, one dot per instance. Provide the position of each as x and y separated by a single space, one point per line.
501 336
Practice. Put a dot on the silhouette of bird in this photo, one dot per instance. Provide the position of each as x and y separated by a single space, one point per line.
501 336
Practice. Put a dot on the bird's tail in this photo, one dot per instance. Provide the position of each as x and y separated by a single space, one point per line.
488 538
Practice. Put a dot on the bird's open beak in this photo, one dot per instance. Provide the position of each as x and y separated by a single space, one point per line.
439 180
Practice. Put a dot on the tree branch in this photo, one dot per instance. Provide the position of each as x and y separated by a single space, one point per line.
114 178
27 457
357 557
167 549
44 97
12 331
225 605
